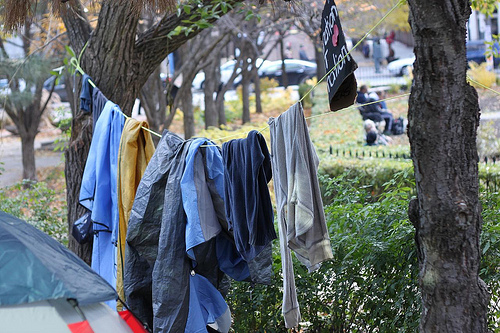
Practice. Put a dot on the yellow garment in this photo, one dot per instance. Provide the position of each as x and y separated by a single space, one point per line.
136 149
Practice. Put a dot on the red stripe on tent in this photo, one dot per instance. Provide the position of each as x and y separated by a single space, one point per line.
132 322
80 327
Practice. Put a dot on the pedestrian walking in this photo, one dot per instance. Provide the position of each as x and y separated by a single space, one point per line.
377 54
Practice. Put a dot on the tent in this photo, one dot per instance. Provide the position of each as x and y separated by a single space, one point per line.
44 287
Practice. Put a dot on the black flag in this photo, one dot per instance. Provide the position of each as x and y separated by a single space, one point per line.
341 82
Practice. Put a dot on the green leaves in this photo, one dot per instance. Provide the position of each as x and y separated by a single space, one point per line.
200 16
36 203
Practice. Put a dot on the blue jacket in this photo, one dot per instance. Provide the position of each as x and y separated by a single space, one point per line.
98 192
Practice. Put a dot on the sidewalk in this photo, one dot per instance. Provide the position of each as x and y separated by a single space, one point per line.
11 163
401 51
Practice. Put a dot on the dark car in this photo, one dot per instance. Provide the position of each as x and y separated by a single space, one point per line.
297 71
59 89
476 50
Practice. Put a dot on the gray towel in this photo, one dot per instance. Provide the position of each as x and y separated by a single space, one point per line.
301 218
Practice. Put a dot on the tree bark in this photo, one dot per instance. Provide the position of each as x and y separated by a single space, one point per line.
284 76
187 110
245 94
76 157
28 152
209 88
443 120
256 85
320 62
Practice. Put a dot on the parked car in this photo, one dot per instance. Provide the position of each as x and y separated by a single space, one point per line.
476 50
226 70
59 89
5 88
401 67
297 71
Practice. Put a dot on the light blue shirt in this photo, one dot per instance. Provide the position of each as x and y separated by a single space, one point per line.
98 191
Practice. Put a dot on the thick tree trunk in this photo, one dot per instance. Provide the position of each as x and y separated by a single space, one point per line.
443 121
221 110
76 157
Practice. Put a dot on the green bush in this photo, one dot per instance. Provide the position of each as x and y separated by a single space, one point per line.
38 205
372 282
490 260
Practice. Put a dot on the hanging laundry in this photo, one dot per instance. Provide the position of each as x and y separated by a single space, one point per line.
171 266
202 187
86 94
136 149
91 99
248 203
301 220
98 192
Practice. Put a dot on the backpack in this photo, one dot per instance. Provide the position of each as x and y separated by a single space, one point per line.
398 126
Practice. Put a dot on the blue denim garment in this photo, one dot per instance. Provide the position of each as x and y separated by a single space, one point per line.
98 192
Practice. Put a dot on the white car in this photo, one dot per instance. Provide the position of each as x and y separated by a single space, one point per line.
401 67
226 70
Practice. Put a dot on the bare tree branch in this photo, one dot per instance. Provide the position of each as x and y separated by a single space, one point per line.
153 45
77 24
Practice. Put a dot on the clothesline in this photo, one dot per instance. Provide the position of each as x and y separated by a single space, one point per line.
320 115
76 64
482 85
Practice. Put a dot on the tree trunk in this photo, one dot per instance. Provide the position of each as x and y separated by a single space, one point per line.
76 157
154 101
219 104
187 109
256 85
245 94
209 88
28 152
443 120
284 77
320 61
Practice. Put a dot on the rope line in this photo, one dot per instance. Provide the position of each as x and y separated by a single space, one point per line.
354 106
76 63
396 6
482 85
